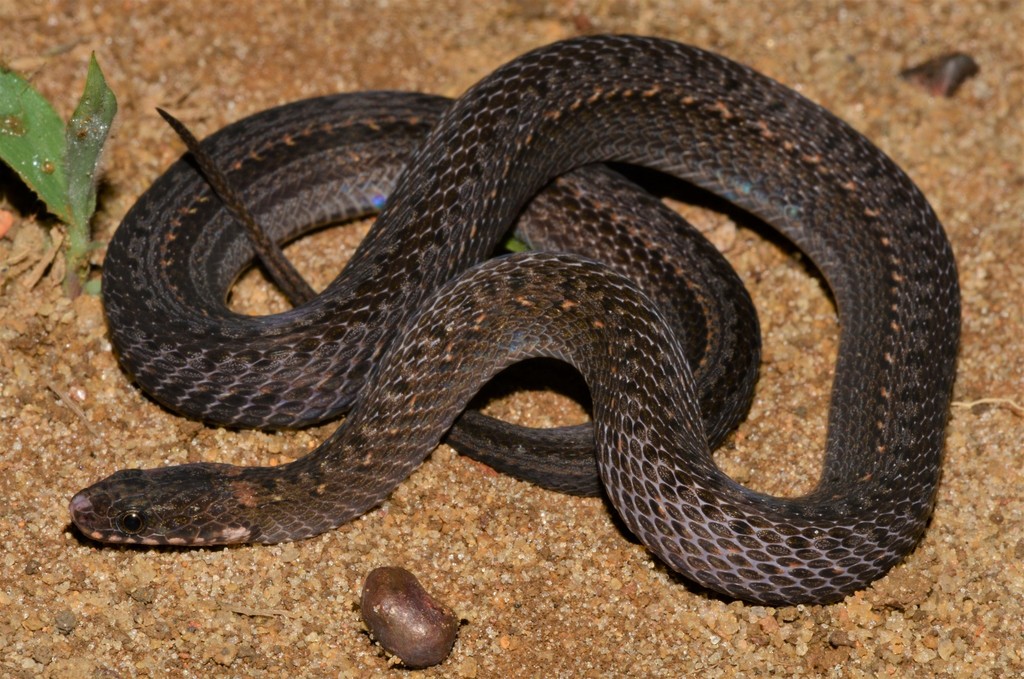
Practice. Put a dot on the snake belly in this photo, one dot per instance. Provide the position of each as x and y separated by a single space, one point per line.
706 120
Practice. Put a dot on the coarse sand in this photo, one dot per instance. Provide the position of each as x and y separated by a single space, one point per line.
547 585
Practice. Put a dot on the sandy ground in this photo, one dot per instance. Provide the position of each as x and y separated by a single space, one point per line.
547 585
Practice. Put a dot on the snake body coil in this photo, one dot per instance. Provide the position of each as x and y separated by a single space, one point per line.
632 100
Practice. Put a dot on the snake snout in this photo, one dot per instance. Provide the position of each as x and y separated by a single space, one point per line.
80 504
86 517
81 508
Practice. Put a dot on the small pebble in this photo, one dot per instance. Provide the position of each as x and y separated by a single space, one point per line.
144 595
943 75
65 621
224 654
840 638
405 619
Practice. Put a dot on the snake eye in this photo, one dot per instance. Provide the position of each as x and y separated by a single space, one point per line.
131 522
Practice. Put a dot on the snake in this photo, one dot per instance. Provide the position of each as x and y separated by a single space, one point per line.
637 101
340 155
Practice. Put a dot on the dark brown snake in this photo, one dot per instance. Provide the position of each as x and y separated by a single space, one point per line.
639 101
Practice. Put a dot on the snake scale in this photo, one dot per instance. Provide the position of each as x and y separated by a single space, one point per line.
638 101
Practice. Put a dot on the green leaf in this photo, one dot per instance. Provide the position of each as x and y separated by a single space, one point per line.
32 142
513 244
86 133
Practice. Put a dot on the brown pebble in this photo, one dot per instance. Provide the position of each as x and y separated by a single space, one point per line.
943 75
840 638
405 619
144 595
225 654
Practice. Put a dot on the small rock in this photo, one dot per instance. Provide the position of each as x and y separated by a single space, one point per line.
144 595
405 619
161 630
33 623
225 654
65 621
43 654
840 639
943 75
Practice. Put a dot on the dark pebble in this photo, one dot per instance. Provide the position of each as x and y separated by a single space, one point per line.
65 621
943 75
405 620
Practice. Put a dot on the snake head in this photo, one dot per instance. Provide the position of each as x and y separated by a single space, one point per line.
181 505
